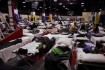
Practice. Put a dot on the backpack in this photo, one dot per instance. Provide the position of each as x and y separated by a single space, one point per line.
53 62
87 49
22 51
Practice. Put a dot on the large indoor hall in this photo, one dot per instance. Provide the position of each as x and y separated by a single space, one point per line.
52 34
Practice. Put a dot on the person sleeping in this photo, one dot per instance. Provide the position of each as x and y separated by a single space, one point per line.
96 29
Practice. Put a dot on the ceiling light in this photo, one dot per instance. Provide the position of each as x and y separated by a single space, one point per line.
82 3
24 6
36 2
45 8
84 9
64 6
55 0
60 3
23 2
100 9
71 3
49 7
40 7
56 9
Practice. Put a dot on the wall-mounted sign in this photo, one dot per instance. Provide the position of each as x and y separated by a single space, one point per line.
34 5
32 0
70 13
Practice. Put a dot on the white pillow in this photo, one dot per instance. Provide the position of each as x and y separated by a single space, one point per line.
67 41
98 58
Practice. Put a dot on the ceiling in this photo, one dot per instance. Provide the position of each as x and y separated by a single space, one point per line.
62 7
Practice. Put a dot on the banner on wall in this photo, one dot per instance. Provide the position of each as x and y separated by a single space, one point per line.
50 17
43 17
32 0
34 5
70 13
16 15
55 18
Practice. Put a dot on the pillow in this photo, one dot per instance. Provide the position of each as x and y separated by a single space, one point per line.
67 41
97 58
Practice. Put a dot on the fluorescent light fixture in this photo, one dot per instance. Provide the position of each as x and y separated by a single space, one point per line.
55 0
24 6
71 3
64 6
23 2
100 9
82 3
56 9
84 9
60 3
40 7
36 2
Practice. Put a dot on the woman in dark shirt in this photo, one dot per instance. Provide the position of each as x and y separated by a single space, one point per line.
96 29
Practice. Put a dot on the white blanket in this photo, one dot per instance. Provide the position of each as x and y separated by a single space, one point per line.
89 57
94 39
6 53
31 47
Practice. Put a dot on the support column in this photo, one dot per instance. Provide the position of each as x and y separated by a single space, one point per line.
55 18
33 17
102 18
92 17
96 18
50 17
11 13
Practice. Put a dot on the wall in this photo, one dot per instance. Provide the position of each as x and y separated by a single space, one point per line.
85 15
22 15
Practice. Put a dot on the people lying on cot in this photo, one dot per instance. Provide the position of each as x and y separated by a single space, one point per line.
3 26
46 44
95 29
73 27
83 27
104 28
102 50
54 29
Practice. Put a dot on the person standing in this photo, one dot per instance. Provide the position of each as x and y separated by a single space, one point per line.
7 19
